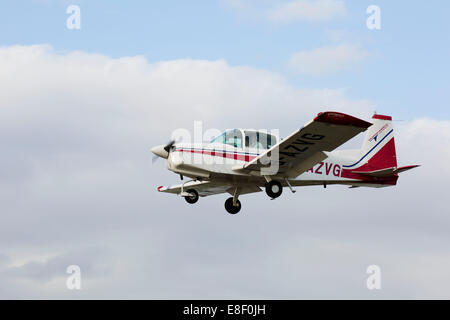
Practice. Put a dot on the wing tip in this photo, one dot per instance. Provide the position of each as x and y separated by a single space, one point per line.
382 117
339 118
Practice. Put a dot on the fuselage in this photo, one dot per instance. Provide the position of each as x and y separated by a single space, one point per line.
219 161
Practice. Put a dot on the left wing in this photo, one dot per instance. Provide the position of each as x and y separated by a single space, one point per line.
305 147
208 188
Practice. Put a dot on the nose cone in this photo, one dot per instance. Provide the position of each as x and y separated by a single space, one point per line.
160 152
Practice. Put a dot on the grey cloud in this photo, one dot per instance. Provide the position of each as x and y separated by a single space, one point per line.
94 262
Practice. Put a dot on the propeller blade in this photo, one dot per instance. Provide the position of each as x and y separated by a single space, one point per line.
169 146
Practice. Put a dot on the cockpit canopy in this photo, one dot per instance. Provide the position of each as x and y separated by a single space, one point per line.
246 139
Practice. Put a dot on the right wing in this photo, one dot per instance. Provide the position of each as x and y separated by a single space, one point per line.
305 147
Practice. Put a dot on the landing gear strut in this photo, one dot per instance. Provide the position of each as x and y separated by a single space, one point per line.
274 189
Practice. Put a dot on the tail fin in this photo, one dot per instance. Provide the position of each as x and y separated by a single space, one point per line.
378 150
378 158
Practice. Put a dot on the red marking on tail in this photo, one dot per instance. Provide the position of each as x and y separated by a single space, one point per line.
384 158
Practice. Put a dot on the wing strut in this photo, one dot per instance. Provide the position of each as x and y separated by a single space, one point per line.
289 185
186 194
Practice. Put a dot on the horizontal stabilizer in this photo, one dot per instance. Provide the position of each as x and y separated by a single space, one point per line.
406 168
386 172
378 173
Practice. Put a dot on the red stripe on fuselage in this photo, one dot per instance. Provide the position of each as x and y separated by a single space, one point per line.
229 155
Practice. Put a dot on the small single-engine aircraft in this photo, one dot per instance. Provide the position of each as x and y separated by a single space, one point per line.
243 161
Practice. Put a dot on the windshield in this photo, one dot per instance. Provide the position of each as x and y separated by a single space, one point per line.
232 138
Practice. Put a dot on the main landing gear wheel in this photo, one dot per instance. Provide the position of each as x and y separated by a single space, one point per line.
231 208
192 199
274 189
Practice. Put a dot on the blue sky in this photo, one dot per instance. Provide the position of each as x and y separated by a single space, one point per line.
405 73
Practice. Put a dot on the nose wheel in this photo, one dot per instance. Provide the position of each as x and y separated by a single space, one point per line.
274 189
232 208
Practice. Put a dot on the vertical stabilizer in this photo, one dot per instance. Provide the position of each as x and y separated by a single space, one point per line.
378 150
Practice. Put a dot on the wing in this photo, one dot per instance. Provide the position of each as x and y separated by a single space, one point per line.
208 188
305 147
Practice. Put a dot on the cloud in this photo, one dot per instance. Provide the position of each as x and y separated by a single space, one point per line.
326 59
416 138
93 261
43 276
77 187
132 90
307 10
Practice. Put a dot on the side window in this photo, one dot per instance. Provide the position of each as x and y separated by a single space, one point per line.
259 140
234 138
271 141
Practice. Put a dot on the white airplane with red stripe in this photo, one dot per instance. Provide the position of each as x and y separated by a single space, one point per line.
243 161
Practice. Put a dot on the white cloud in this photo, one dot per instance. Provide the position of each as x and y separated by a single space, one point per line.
76 180
308 10
326 59
81 89
418 145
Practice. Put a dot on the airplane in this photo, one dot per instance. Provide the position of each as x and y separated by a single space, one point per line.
243 161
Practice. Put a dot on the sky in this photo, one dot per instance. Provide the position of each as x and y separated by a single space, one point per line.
81 108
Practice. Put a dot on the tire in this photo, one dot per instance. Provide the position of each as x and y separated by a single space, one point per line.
230 208
274 189
192 199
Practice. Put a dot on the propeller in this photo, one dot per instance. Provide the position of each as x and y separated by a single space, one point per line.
169 146
162 151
